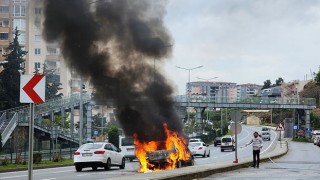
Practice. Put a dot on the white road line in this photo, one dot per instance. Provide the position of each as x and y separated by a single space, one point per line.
49 179
11 177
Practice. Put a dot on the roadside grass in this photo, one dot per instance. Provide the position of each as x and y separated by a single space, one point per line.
42 164
301 140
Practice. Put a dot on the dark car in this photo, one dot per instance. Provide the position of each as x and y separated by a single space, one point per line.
217 141
265 129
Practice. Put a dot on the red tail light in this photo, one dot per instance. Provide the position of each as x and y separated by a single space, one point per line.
199 148
76 153
99 152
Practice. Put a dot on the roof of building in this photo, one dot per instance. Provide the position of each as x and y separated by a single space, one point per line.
212 82
249 84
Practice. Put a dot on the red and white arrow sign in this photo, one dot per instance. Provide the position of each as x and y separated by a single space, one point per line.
32 88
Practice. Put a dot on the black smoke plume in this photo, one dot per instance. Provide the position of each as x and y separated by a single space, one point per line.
114 43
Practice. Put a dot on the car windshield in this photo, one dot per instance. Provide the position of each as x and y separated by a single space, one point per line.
194 144
265 133
91 146
127 142
226 139
218 138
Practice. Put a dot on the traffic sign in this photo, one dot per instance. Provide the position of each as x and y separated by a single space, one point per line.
233 128
295 127
280 127
32 88
95 132
308 130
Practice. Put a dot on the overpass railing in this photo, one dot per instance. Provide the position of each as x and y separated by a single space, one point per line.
246 100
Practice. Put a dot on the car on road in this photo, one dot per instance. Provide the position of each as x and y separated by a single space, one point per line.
199 149
195 140
316 139
160 158
265 129
98 154
227 143
127 147
265 136
217 141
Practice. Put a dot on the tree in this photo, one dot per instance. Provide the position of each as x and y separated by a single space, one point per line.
317 77
311 90
279 81
113 135
10 76
266 84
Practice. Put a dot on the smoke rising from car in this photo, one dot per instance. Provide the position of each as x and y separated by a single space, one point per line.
114 44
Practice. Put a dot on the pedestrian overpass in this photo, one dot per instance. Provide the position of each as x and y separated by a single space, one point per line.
20 116
200 103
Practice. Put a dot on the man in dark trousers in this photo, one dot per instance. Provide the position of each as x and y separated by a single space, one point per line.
257 144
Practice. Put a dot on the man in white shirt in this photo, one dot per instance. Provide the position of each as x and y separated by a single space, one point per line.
257 144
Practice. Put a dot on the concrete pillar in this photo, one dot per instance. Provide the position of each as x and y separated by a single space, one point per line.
88 108
72 119
307 123
199 111
63 117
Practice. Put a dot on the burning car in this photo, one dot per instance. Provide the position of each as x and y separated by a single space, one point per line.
161 159
168 154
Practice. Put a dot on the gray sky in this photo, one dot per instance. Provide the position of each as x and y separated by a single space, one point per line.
243 41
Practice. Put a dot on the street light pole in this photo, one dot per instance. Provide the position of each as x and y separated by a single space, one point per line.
81 114
189 86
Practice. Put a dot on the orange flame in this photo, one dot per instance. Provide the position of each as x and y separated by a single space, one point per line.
172 138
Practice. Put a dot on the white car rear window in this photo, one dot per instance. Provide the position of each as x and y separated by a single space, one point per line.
92 146
194 144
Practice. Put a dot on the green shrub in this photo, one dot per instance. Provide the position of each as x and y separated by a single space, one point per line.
113 135
5 161
300 139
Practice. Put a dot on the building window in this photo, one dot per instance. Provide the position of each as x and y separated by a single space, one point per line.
4 22
37 65
19 1
19 10
4 9
4 36
37 37
51 50
37 51
37 11
19 23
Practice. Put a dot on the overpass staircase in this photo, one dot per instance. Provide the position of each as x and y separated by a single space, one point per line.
20 116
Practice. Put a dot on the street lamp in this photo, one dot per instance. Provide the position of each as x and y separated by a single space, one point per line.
189 88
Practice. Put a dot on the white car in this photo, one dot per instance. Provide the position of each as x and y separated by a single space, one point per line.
265 135
316 139
199 149
99 154
127 147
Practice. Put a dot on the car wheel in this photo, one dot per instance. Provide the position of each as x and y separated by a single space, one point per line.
78 168
108 165
208 154
215 145
94 168
123 164
131 159
222 150
191 162
204 154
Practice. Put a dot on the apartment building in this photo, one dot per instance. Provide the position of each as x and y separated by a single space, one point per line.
248 90
207 88
28 17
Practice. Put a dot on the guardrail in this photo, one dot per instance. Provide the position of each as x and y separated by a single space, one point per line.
2 119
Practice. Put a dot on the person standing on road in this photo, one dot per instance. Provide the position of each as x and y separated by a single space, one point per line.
257 144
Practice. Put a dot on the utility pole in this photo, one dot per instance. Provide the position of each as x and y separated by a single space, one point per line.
81 114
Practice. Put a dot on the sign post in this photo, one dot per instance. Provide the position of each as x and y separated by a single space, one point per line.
236 129
280 128
32 90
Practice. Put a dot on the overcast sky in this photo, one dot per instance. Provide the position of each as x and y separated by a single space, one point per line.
243 41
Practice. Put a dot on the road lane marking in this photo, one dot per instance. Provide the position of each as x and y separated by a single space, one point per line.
49 179
11 177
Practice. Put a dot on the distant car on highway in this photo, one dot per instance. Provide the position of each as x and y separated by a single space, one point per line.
199 149
195 140
265 129
227 143
217 141
316 140
265 136
98 154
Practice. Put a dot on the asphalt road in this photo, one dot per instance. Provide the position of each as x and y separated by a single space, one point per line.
69 173
301 162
